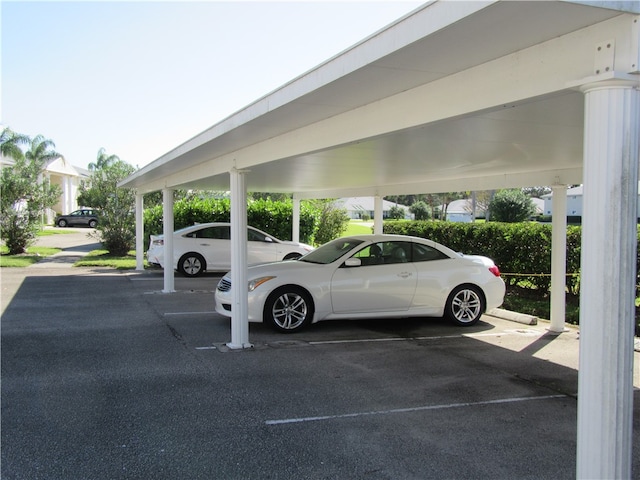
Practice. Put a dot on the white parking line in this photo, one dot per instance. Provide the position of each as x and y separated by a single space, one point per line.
175 314
409 410
437 337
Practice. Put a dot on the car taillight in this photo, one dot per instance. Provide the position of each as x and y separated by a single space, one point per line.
495 270
158 242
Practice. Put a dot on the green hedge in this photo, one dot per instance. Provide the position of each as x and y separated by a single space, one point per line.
272 217
522 251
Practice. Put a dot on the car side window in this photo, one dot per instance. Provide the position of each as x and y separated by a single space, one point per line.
214 233
255 236
382 253
424 253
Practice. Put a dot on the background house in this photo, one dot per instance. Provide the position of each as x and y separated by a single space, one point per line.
574 202
67 177
359 207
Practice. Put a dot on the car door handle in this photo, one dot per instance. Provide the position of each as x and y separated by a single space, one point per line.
204 244
405 274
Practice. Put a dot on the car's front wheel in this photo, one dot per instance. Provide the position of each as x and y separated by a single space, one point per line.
292 256
62 223
93 223
465 305
191 265
288 309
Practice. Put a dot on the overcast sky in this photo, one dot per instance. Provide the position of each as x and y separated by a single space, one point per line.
140 78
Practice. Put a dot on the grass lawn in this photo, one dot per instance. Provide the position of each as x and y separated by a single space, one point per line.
33 255
357 227
102 258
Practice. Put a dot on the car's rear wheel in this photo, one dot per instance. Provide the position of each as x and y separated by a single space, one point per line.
62 223
465 305
191 265
93 223
288 309
292 256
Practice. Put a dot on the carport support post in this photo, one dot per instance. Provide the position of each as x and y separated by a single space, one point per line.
608 263
295 221
377 214
139 232
558 259
167 232
239 280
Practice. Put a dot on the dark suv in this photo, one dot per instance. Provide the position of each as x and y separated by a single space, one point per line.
83 217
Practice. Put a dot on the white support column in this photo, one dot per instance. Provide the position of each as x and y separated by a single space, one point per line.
608 264
558 258
139 232
167 232
295 221
239 280
377 214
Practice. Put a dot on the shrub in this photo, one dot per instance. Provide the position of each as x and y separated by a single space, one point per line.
511 206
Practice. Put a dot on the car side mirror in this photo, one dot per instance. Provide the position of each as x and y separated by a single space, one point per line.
353 262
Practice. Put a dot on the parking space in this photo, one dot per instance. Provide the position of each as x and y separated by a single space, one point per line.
135 383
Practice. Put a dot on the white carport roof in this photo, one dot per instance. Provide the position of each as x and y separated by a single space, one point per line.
463 96
453 96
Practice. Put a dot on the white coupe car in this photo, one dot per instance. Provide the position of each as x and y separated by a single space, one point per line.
207 246
369 276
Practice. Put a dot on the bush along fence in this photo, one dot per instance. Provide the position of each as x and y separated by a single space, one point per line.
273 217
521 250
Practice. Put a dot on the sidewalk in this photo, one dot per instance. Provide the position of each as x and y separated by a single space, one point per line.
74 242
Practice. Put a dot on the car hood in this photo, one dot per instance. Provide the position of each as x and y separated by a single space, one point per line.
278 268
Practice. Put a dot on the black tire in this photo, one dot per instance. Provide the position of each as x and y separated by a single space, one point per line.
292 256
288 309
192 265
62 223
93 223
465 305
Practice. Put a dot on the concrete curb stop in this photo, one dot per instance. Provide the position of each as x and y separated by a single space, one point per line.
513 316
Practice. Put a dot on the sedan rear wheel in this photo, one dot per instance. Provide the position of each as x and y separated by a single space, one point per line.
288 309
62 223
191 265
465 305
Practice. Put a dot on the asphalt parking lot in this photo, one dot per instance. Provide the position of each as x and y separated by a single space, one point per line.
104 376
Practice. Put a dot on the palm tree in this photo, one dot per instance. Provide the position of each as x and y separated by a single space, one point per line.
10 144
41 152
103 160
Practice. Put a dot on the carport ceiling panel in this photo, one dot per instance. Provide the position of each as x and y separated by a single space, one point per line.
525 138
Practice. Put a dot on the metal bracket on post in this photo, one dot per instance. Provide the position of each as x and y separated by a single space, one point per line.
635 45
604 57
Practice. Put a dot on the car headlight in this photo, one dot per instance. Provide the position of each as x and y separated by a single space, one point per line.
256 282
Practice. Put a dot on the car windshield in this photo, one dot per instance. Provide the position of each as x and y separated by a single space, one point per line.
330 252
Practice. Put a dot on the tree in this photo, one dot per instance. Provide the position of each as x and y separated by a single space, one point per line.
396 213
103 160
332 222
420 210
116 226
511 206
11 142
25 194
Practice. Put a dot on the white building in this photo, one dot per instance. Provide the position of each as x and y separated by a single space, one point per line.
67 177
357 207
574 202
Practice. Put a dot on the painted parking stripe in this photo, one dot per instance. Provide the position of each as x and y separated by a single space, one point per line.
175 314
436 337
411 409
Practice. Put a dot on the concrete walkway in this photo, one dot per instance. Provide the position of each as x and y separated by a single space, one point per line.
74 242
